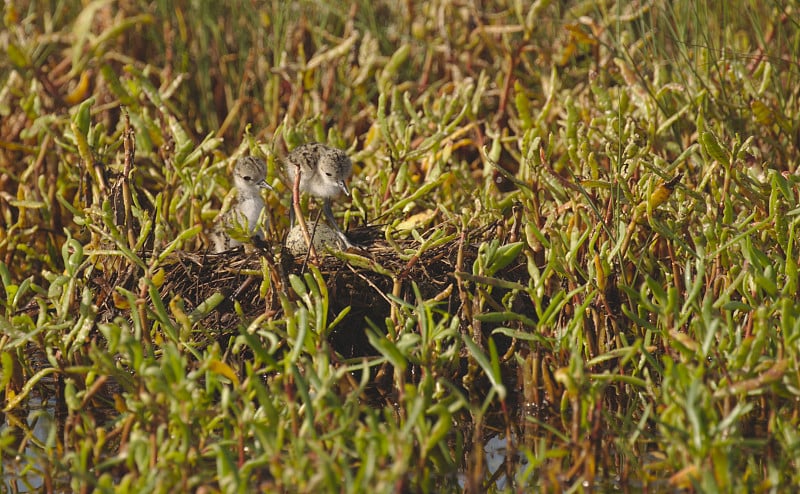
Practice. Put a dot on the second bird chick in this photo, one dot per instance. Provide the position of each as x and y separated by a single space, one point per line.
323 172
249 176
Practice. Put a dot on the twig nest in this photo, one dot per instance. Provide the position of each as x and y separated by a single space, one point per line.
322 235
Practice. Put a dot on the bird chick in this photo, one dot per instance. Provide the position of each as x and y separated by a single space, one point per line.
323 172
249 176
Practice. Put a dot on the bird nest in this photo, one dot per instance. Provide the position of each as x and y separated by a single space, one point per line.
228 289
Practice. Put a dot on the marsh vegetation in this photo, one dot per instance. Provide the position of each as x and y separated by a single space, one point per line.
579 231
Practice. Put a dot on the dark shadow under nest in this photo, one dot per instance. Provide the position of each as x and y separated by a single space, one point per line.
237 275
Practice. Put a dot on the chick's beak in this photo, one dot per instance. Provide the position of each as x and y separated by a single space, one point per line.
344 188
264 185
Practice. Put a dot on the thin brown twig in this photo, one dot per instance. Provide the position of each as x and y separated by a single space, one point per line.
299 215
129 143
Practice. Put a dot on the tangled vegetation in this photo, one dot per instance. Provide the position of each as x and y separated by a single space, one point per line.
577 223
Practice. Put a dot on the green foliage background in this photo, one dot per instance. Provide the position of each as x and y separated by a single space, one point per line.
637 160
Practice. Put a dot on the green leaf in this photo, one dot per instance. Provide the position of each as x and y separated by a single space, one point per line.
522 335
362 262
83 120
17 57
388 349
115 86
498 317
7 365
714 149
504 256
440 429
491 368
27 388
206 307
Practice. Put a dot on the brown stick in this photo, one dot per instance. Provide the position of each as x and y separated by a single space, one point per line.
129 144
299 214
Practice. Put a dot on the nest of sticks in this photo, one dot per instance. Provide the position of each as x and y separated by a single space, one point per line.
234 281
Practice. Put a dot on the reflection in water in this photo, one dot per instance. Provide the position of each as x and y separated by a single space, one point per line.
495 455
31 437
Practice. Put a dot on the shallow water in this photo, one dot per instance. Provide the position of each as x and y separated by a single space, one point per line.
35 434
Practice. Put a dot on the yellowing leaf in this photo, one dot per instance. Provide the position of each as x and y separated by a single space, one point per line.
373 133
762 113
578 34
158 277
17 57
81 90
120 302
600 273
663 191
119 404
416 220
225 370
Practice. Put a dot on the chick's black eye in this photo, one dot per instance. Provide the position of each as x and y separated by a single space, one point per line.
329 174
247 178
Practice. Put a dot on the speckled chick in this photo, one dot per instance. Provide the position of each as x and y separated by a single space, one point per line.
249 176
323 172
